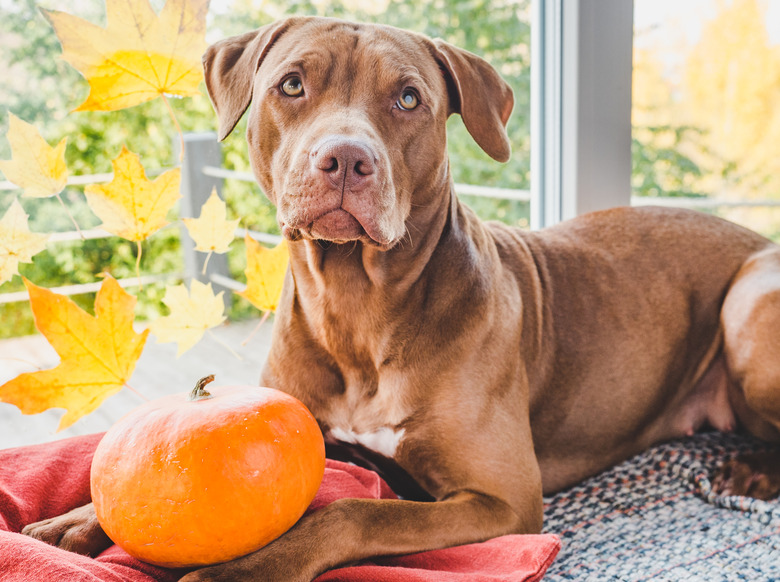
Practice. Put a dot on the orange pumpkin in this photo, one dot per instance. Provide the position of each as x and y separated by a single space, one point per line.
190 480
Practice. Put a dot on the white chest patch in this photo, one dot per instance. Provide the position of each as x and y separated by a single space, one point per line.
384 440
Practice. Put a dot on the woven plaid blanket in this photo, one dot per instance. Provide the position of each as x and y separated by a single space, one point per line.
655 517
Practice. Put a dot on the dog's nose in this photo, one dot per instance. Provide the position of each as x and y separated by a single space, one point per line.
344 163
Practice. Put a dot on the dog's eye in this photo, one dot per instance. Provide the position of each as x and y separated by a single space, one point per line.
292 86
408 100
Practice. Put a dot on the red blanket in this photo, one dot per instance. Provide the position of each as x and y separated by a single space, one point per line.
46 480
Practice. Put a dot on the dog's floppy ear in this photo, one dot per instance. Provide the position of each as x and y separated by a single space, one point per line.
482 97
230 66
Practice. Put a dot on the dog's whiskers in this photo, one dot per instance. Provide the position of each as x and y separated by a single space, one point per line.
352 248
407 235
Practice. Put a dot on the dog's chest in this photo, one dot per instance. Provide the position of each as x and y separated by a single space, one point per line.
369 433
369 416
384 440
376 450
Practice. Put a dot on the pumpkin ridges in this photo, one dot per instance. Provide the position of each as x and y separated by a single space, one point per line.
296 459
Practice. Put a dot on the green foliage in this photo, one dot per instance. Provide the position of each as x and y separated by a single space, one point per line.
663 170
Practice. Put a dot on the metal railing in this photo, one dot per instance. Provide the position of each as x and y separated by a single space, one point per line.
202 170
84 235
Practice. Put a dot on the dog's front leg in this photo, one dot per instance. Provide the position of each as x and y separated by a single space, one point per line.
353 529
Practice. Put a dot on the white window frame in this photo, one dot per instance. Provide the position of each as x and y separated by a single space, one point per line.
580 107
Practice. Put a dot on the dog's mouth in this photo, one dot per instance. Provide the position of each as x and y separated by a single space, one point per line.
336 226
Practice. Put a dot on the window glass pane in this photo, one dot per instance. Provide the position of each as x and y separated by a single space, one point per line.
706 107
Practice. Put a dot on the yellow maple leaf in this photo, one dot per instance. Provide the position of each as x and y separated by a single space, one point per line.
265 273
192 313
212 232
98 353
140 55
132 206
17 243
35 166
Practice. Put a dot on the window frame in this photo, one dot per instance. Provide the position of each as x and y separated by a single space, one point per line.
581 65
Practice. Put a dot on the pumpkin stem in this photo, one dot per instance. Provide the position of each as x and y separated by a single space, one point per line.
200 392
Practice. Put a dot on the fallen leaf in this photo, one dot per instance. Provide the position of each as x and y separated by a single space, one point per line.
265 273
35 166
192 313
212 232
140 55
17 243
132 206
98 353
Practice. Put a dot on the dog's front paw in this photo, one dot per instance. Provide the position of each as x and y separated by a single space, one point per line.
754 475
248 568
76 531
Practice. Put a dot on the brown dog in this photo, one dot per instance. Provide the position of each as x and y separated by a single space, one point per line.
489 364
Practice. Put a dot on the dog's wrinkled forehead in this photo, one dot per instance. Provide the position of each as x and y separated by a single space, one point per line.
352 57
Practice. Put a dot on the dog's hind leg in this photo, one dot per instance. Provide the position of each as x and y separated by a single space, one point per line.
751 330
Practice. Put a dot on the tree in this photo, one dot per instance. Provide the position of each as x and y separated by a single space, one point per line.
732 90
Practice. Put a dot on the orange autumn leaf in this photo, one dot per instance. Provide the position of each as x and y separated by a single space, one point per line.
265 273
97 353
140 55
131 205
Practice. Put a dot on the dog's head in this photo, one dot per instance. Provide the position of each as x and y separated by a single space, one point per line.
347 126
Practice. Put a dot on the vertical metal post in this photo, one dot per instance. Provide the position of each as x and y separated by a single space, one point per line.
200 149
546 105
